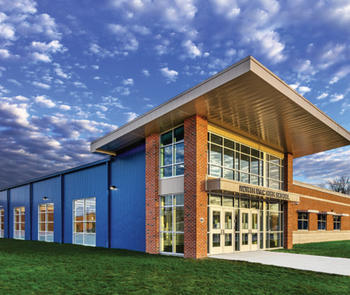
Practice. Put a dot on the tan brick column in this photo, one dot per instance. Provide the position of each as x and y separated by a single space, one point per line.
195 220
290 214
152 198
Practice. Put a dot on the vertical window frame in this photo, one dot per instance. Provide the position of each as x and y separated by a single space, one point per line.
303 220
19 235
322 221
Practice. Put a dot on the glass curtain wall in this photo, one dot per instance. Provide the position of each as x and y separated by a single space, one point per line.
236 161
172 224
274 224
84 217
46 223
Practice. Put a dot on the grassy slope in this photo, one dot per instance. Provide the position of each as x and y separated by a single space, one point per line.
40 268
332 249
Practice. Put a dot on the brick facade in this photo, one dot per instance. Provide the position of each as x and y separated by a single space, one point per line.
152 198
195 207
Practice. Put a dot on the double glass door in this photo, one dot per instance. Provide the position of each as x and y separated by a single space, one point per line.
221 228
249 229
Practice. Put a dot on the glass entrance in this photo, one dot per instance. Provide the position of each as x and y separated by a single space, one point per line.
221 222
249 230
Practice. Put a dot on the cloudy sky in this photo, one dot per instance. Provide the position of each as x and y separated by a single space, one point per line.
70 71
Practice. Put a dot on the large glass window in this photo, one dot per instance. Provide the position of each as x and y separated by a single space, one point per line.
303 221
84 217
172 223
235 161
2 222
274 224
321 221
19 223
172 152
337 222
46 222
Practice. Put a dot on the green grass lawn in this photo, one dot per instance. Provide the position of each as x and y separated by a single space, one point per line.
28 267
332 249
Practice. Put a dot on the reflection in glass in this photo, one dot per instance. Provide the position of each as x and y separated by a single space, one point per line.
216 240
244 224
244 239
216 219
228 240
228 220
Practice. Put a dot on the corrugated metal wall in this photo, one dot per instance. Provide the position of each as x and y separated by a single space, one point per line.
120 214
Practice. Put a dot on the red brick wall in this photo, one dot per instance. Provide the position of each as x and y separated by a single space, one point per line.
152 198
321 206
195 197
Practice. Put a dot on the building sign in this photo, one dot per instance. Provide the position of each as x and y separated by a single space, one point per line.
263 192
221 184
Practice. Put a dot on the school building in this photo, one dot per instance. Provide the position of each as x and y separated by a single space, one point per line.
209 171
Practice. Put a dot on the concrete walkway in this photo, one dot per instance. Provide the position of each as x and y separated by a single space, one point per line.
330 265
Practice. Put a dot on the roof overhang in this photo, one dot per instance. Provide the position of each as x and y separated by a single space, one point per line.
247 99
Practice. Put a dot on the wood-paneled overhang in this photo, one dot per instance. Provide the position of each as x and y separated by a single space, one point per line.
248 100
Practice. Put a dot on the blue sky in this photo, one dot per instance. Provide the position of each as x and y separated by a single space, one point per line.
71 71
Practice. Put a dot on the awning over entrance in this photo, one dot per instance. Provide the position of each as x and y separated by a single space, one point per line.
226 185
246 99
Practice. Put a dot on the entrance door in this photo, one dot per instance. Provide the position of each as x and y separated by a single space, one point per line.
221 227
249 229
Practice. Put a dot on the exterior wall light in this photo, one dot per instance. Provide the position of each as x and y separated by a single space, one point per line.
113 188
45 198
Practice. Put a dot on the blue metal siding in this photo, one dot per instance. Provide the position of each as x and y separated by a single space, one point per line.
20 197
50 188
128 201
87 183
3 205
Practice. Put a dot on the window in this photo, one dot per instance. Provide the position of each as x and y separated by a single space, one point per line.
303 221
19 223
172 152
321 221
2 222
235 161
274 224
172 224
84 217
46 222
336 222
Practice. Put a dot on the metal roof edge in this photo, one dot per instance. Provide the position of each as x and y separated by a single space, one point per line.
58 173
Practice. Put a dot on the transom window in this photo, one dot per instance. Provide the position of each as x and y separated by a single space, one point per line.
84 217
172 224
172 152
336 222
19 223
236 161
2 222
303 221
321 221
46 222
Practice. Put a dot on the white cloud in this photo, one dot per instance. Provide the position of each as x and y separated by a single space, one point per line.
79 84
331 54
342 73
171 75
18 112
191 49
229 8
64 107
44 101
41 85
128 81
141 30
51 47
41 57
4 53
22 6
131 116
304 89
59 72
322 95
146 72
125 38
337 97
21 98
95 67
41 24
7 31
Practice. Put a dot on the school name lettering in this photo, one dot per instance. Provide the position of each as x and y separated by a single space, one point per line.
263 192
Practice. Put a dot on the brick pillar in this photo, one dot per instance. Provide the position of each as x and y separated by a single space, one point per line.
330 225
289 210
313 221
195 220
152 198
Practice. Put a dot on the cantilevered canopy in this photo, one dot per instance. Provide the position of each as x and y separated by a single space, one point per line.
248 99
